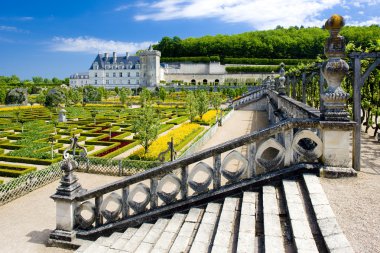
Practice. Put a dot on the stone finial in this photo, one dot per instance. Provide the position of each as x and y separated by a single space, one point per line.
334 70
281 79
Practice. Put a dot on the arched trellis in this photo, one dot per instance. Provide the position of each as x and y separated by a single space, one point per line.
359 80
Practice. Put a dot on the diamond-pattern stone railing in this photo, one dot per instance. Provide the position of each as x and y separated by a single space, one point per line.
291 142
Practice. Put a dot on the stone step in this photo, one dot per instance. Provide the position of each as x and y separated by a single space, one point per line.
84 246
187 233
247 227
301 231
273 235
223 241
137 238
294 217
203 238
124 238
153 235
170 233
332 234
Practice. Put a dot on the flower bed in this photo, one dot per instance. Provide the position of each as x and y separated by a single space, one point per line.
179 135
208 118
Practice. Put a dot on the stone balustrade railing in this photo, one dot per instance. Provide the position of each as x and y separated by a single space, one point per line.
249 97
294 143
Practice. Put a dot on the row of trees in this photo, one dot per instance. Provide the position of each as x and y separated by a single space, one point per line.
292 42
36 80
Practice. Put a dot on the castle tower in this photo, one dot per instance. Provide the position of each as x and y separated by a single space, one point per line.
150 64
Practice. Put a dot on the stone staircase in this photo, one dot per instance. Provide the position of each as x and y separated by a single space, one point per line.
292 215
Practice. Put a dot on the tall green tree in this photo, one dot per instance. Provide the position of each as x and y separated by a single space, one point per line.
146 125
162 93
191 105
202 103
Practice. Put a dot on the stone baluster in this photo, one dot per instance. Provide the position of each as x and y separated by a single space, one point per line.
153 193
184 186
281 87
125 193
216 176
335 140
98 214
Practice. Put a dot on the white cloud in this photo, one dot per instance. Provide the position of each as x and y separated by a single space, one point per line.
259 14
94 45
6 28
371 21
124 7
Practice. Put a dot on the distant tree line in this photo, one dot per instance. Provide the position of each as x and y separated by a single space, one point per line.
280 43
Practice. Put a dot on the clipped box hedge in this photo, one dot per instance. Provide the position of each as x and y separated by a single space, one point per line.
11 146
122 150
18 159
10 170
178 120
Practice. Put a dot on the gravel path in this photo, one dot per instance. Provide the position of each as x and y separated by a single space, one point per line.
356 201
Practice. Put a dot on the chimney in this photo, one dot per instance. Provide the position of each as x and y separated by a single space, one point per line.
126 55
106 56
114 57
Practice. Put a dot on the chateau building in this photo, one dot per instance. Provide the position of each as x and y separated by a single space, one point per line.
122 71
146 70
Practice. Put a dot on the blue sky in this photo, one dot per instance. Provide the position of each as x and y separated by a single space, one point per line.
57 38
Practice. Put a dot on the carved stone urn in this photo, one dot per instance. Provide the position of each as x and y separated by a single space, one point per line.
334 70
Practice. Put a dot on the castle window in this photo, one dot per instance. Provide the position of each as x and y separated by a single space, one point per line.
96 81
96 74
120 74
138 81
107 81
129 74
107 74
114 74
129 81
137 66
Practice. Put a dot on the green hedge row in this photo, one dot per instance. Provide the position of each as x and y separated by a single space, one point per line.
265 61
121 136
196 59
178 120
68 141
18 159
99 143
113 145
11 146
121 150
10 170
78 150
254 69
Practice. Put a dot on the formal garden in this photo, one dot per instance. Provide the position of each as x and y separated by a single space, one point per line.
115 128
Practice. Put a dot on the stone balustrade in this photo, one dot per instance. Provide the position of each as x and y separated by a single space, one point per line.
290 145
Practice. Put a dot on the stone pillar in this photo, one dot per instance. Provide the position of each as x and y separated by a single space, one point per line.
335 136
65 204
334 70
281 79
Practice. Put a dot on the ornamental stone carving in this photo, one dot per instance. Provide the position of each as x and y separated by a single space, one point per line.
234 174
82 221
108 214
334 70
206 172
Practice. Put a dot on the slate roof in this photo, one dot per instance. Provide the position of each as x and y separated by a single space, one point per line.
101 60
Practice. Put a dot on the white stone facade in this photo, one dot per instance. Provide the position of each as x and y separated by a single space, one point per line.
145 70
122 71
